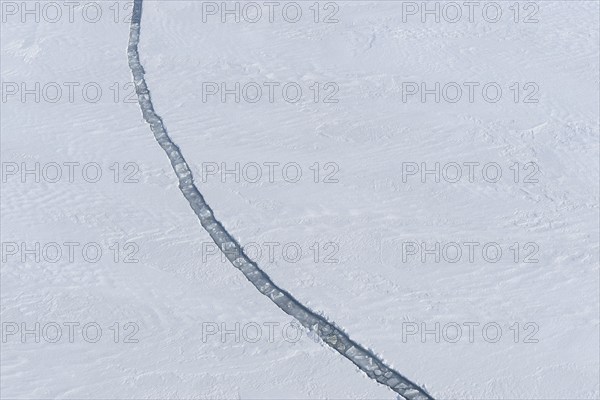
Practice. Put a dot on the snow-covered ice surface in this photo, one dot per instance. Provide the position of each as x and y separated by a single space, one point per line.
359 213
335 338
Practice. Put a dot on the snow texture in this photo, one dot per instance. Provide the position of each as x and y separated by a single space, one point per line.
334 337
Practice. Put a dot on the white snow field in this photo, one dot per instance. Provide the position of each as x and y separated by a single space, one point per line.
425 175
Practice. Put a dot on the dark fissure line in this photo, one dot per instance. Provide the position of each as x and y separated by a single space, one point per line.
364 359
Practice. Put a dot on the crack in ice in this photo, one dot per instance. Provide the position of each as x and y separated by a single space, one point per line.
364 359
